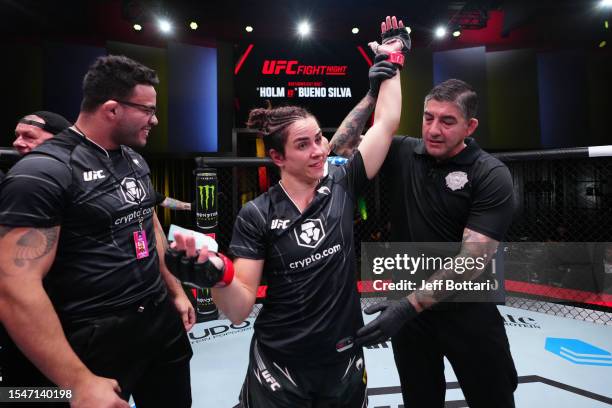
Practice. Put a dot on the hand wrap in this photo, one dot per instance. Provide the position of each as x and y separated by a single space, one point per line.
199 274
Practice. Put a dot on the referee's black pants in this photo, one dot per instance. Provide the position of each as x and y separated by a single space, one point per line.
473 339
144 347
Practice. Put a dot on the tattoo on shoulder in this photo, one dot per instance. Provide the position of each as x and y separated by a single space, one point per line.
34 244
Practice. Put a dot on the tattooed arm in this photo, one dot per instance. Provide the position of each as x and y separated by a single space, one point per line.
26 254
474 245
348 136
394 313
180 299
174 204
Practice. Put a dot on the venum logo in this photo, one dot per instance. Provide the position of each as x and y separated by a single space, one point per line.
132 190
207 196
310 233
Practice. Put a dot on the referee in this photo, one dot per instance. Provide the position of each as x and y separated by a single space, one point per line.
445 189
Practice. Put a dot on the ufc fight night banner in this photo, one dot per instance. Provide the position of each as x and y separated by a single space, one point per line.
206 198
327 79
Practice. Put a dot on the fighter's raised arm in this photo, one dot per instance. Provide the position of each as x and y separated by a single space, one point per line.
376 142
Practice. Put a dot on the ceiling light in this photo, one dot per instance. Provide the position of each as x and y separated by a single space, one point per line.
193 25
304 28
137 27
165 26
440 32
248 29
355 30
456 33
605 3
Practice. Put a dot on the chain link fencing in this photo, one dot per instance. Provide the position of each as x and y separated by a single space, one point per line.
559 201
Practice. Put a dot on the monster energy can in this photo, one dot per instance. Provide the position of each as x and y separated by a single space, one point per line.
207 195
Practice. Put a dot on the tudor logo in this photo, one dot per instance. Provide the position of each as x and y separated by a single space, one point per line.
93 175
456 180
310 233
132 190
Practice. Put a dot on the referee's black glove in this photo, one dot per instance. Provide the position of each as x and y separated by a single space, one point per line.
394 313
380 71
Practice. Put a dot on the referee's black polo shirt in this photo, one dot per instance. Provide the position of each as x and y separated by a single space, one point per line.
434 201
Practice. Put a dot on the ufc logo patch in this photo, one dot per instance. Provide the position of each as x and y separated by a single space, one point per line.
279 224
93 175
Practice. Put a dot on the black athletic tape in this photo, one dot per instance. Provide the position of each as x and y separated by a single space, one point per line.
195 274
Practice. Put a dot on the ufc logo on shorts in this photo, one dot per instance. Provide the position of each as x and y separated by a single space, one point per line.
279 224
274 385
93 175
310 233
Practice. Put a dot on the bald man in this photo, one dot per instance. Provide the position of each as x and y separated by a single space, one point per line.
35 128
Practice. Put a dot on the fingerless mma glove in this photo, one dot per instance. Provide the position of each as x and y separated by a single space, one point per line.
199 274
401 34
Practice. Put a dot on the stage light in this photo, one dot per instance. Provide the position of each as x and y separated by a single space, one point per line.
304 28
164 26
137 27
440 32
355 30
603 44
248 29
456 33
606 24
605 3
193 25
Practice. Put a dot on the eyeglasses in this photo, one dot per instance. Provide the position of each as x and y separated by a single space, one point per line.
150 110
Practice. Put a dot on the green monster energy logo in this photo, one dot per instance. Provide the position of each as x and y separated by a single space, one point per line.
206 192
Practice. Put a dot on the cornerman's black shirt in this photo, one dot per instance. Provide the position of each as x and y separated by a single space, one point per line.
312 309
96 197
434 201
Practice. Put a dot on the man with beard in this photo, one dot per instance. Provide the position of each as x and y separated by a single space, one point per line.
83 292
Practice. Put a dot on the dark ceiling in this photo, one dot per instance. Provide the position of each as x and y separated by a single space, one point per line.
540 23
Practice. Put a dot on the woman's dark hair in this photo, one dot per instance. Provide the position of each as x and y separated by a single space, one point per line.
273 123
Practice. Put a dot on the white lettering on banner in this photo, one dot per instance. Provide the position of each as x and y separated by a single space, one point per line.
322 92
339 92
315 257
271 92
309 92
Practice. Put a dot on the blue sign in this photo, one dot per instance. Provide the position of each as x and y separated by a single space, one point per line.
578 352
